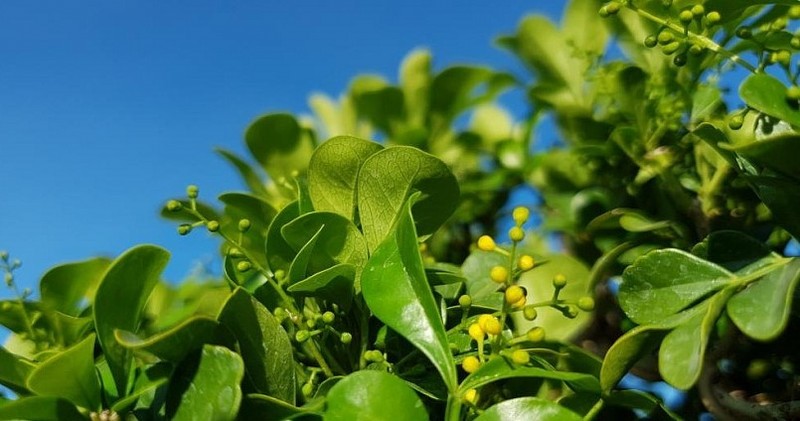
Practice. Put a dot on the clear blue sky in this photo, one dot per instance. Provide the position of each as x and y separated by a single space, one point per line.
109 108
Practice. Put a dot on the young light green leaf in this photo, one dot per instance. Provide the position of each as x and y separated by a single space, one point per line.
40 408
279 144
339 241
396 290
120 300
373 395
706 99
389 177
582 29
14 370
279 253
501 369
528 408
206 386
299 268
334 283
760 91
70 375
762 310
664 282
172 345
65 287
264 345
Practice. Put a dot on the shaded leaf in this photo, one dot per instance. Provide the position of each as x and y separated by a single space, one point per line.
279 253
14 370
528 408
279 144
257 407
334 284
70 375
338 240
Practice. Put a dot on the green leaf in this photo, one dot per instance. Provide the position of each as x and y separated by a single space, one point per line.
664 282
299 268
415 81
635 399
248 174
782 197
373 395
172 345
777 153
389 177
264 345
680 358
453 90
762 310
333 172
732 250
733 9
257 407
768 95
14 370
501 369
378 102
396 290
70 375
65 287
583 29
260 213
339 241
528 408
206 386
539 284
40 408
480 288
706 100
147 382
334 283
279 253
120 300
279 144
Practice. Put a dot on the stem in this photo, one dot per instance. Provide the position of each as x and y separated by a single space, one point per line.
453 411
311 347
598 406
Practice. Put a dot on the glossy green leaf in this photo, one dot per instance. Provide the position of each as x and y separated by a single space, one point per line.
299 268
254 182
206 386
173 344
279 144
333 172
257 407
767 94
371 396
539 284
480 288
66 287
528 408
664 282
732 250
762 310
279 253
40 408
339 241
501 369
264 345
14 370
70 375
147 382
120 300
680 358
396 290
334 284
389 177
777 153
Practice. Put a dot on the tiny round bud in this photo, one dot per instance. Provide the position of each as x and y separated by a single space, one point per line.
9 278
612 7
520 357
713 18
795 42
530 313
516 234
243 266
686 16
244 225
465 300
192 191
783 57
235 252
328 317
665 37
16 263
779 24
586 303
525 262
698 10
346 338
486 243
736 122
471 396
671 48
301 336
212 226
374 356
793 93
570 312
476 332
280 274
174 206
493 326
559 281
744 32
514 293
651 41
520 215
3 255
499 274
280 313
471 364
307 389
184 229
536 334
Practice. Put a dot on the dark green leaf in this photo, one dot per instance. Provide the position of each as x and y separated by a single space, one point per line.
782 197
373 395
333 172
65 288
397 292
206 386
147 382
173 344
120 300
528 408
40 408
664 282
264 345
279 144
777 153
501 369
732 250
334 284
70 375
257 407
768 95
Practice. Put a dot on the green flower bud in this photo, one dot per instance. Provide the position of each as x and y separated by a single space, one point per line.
612 8
280 313
301 336
536 334
244 225
235 252
795 42
346 338
311 323
212 226
671 48
192 191
586 303
698 10
713 18
570 312
559 281
686 16
328 317
695 50
4 255
794 12
307 390
530 312
243 266
666 3
174 206
783 57
184 229
651 41
603 12
465 301
665 37
736 122
793 93
9 279
779 24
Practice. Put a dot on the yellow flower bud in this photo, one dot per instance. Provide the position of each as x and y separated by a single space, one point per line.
536 334
476 332
486 243
471 396
520 357
493 326
471 364
525 262
514 293
520 215
499 274
516 234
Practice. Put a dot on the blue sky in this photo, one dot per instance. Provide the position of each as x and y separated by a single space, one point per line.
107 109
